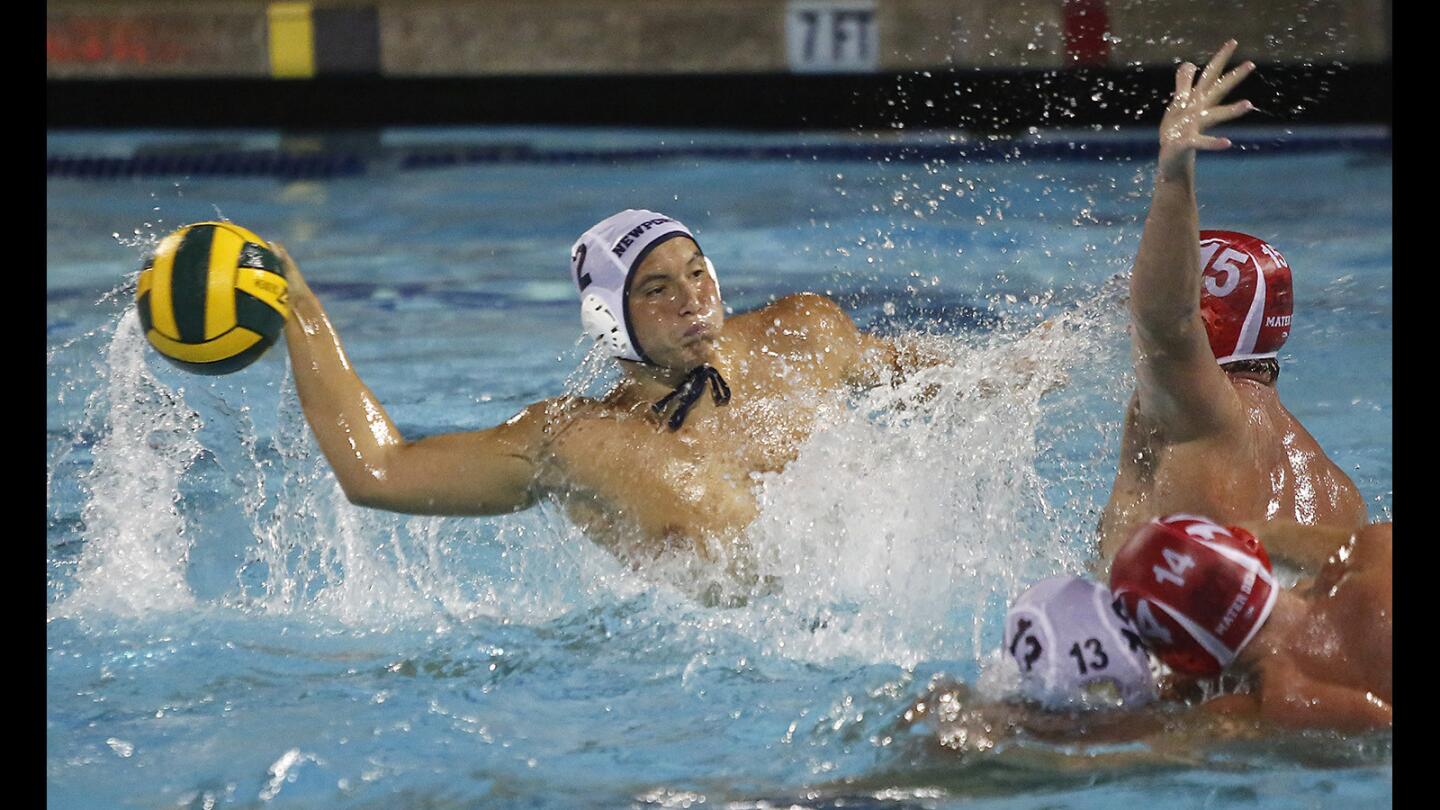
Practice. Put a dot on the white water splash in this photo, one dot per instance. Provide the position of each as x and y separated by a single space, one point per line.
907 524
322 556
302 548
906 508
136 543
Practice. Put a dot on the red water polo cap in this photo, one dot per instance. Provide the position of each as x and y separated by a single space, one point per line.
1245 298
1196 591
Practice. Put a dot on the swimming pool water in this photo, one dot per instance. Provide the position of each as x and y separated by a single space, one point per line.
223 629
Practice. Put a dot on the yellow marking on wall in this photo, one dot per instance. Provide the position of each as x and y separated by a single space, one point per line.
292 41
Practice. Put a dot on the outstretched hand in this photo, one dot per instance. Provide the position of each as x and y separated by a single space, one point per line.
1196 107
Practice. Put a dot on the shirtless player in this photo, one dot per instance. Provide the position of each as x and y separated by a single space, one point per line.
1205 599
1317 655
1211 439
666 460
1202 436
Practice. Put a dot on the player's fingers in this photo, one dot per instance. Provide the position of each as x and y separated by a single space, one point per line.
1217 65
1184 79
1229 80
1211 144
1216 115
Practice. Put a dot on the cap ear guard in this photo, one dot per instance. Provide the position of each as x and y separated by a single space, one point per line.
600 323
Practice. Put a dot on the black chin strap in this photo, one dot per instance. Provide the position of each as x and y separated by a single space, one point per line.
690 391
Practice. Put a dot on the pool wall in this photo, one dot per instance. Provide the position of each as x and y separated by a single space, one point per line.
752 64
144 38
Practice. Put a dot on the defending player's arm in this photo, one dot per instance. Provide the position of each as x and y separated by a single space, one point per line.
1304 546
478 473
1179 385
1292 699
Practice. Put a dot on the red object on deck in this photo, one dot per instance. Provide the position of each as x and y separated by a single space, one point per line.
1086 23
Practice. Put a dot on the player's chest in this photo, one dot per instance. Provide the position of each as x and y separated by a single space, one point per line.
716 446
657 483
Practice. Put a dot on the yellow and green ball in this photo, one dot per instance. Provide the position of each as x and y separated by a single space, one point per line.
212 297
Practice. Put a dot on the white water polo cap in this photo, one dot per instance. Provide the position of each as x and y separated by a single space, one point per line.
603 260
1075 649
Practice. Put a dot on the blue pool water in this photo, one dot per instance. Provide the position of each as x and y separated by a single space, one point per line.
225 630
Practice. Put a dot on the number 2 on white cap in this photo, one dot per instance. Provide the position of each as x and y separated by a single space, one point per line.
1178 563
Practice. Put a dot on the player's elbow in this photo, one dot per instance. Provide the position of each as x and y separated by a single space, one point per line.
367 491
1164 317
390 499
370 486
1166 326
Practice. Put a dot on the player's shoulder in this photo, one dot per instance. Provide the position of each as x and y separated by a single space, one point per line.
567 409
552 416
618 412
1373 545
797 317
1376 532
572 428
808 306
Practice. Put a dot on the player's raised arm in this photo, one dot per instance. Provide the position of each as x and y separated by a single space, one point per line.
477 473
1179 385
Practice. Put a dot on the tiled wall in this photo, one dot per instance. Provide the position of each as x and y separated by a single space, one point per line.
138 39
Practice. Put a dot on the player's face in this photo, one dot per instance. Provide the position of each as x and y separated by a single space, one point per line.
674 305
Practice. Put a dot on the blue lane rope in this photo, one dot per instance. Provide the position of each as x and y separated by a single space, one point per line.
240 164
328 165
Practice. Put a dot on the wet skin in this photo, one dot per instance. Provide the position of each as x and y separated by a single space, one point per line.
1266 468
961 724
1201 441
1323 660
1196 439
1325 656
630 483
622 478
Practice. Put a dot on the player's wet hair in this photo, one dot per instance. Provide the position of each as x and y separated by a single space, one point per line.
1269 367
